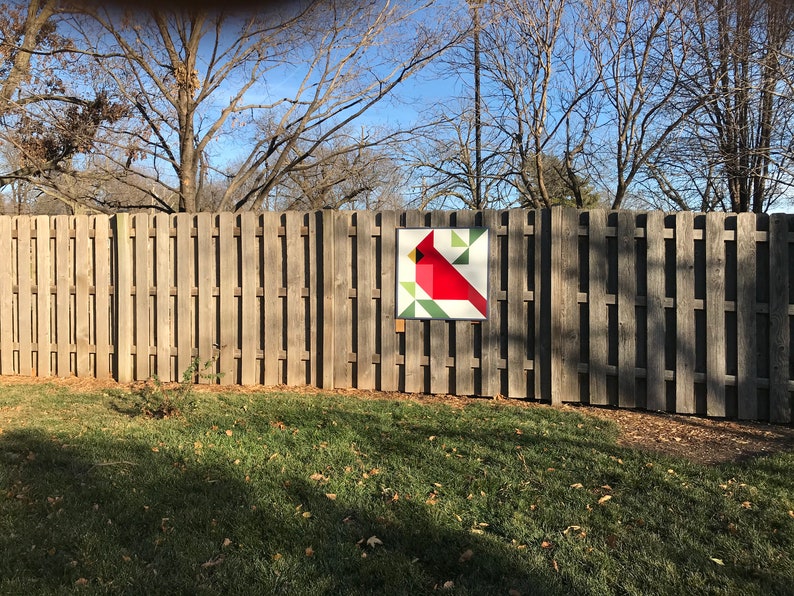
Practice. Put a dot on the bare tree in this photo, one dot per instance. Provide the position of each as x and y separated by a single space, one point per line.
51 111
642 50
249 99
735 152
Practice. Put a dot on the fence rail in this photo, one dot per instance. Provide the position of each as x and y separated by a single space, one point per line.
686 313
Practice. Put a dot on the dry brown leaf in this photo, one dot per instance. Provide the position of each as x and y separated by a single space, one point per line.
213 562
746 504
448 585
718 561
546 544
604 499
467 554
309 551
229 432
791 513
226 542
374 541
81 582
577 485
330 496
317 477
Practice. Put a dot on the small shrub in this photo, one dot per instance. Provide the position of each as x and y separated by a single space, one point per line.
161 401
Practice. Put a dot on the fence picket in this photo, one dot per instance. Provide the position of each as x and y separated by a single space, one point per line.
227 303
24 293
627 316
597 309
43 287
516 305
122 288
715 314
162 282
205 272
365 317
295 304
271 301
389 346
779 327
655 284
6 298
746 368
184 292
141 284
249 313
684 314
82 274
102 364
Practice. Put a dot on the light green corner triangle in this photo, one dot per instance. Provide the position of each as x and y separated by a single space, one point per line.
410 286
457 241
475 233
463 259
410 312
433 309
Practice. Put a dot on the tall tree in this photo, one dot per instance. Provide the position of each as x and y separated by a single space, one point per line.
51 112
251 98
735 152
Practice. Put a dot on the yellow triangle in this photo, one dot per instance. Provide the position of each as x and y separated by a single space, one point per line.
412 255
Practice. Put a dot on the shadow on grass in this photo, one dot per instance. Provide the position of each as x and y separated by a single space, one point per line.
119 516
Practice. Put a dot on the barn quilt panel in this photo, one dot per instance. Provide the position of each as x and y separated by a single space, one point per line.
442 273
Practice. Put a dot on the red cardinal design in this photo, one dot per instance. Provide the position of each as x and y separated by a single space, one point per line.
436 276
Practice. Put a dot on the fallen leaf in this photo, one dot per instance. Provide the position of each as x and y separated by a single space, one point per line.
309 551
277 556
156 450
213 562
81 582
318 477
791 513
604 499
514 593
374 541
577 485
746 505
556 567
546 544
330 496
307 514
718 561
606 487
226 542
448 585
229 432
467 554
569 528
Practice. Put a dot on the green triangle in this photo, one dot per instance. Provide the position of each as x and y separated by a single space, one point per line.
463 259
457 240
410 312
433 309
410 286
475 233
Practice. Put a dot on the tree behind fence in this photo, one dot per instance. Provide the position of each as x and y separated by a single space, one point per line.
686 313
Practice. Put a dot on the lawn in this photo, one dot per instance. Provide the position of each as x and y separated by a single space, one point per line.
271 493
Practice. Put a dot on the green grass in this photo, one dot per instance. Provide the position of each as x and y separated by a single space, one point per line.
283 494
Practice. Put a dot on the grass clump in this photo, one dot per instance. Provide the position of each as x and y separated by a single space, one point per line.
283 493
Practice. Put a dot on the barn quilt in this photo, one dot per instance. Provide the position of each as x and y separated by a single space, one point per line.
442 273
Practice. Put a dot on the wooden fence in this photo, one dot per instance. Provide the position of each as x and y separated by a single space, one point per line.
684 313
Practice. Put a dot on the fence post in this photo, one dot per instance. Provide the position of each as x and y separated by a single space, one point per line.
122 302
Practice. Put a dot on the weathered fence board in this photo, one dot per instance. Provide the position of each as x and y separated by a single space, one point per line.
668 312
